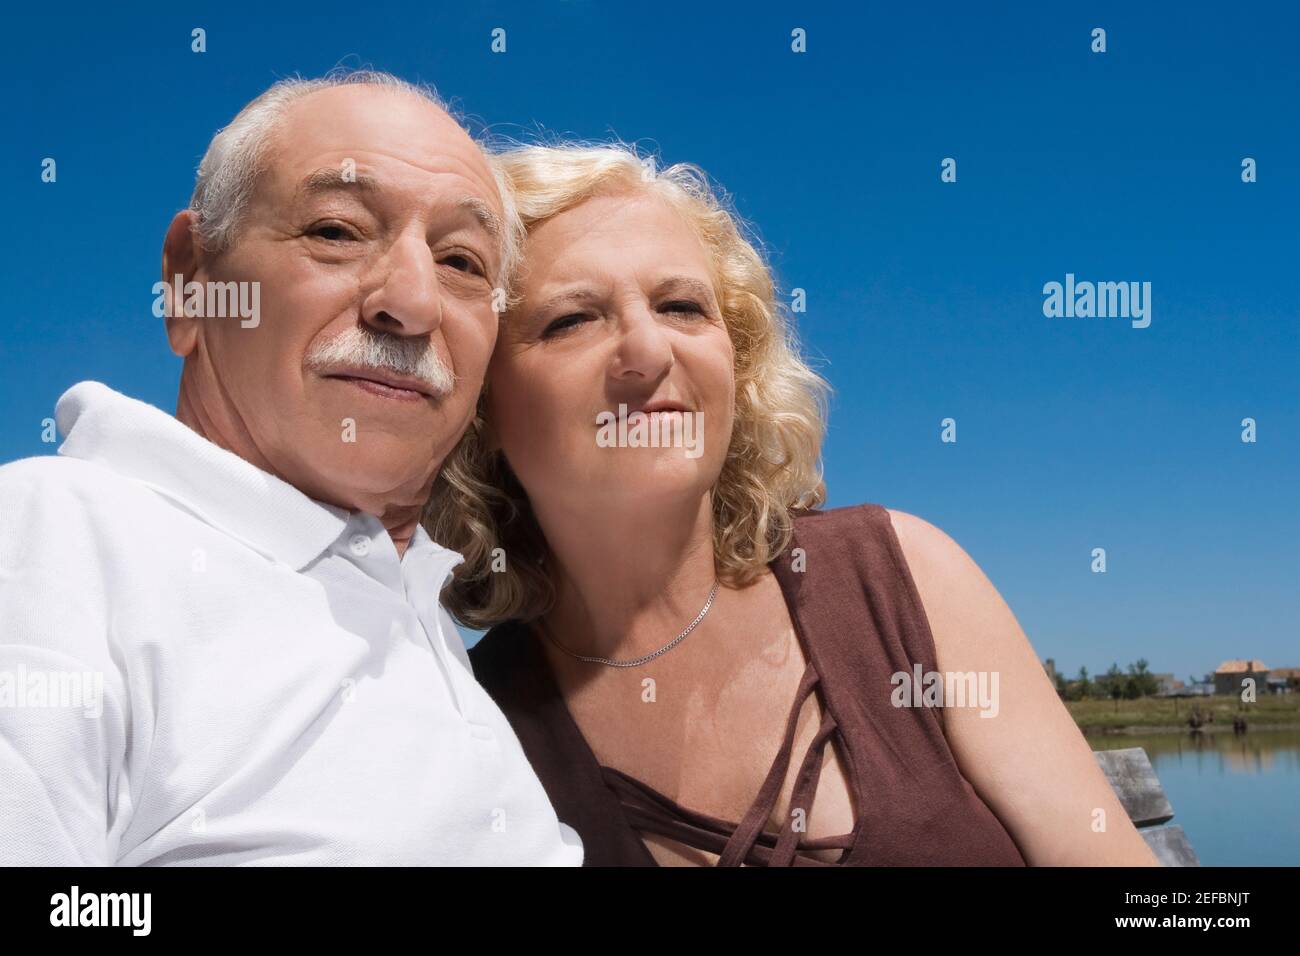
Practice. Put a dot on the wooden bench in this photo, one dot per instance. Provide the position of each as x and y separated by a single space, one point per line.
1134 781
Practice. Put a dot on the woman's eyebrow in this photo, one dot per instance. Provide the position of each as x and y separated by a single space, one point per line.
568 297
687 285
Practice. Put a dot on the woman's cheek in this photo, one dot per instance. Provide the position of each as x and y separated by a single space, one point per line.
543 430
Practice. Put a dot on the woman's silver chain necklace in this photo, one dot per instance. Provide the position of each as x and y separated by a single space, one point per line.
649 657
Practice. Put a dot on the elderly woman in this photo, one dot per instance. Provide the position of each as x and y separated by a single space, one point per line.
702 667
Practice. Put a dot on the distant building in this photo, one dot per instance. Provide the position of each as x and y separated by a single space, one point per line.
1229 676
1049 665
1283 680
1168 685
1194 689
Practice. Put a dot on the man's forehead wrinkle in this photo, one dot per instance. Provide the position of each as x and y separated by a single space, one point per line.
443 159
331 179
358 126
483 185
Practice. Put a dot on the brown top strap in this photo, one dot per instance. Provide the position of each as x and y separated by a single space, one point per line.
742 840
649 811
805 792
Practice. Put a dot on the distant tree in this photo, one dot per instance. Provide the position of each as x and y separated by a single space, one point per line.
1102 682
1131 689
1113 682
1083 686
1141 682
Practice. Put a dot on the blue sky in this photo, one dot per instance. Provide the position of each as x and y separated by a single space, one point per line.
924 298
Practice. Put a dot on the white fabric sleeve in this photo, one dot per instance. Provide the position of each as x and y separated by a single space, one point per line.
59 728
62 726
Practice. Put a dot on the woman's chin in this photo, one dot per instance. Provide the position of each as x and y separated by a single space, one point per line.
647 474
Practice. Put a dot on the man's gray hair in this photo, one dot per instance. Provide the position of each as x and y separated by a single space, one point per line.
236 156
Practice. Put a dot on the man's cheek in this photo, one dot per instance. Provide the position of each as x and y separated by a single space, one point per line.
469 357
487 322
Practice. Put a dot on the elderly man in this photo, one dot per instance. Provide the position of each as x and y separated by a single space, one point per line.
220 636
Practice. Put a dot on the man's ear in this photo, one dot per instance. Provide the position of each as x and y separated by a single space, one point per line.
181 256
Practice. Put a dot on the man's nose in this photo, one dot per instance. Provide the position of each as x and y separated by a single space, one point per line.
644 349
406 298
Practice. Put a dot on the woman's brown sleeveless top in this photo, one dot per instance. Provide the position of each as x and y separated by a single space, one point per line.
859 620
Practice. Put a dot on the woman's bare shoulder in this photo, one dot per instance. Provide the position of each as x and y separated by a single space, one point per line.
932 554
1029 762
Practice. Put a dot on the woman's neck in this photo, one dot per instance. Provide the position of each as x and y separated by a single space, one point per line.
628 582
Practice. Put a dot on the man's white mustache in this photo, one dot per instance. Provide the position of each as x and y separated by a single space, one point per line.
359 347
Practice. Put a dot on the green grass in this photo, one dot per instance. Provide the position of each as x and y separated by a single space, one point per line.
1101 716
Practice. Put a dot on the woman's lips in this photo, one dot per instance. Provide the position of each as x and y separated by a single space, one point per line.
650 414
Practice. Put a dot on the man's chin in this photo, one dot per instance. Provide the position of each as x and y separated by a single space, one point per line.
373 481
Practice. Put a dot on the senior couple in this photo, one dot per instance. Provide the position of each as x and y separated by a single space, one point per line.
688 662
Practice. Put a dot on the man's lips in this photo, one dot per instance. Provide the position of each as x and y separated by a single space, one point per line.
382 383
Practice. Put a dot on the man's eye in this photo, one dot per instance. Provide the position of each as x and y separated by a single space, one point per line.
560 324
463 263
332 232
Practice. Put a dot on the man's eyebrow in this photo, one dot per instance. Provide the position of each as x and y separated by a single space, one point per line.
330 179
488 219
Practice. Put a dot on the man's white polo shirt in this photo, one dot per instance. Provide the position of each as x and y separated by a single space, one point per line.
277 686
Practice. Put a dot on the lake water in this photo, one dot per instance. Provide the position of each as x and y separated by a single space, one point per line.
1237 797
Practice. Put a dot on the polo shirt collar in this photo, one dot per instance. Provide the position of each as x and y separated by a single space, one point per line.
146 444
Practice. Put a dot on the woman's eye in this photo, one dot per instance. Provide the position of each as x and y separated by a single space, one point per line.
332 232
683 305
560 324
462 264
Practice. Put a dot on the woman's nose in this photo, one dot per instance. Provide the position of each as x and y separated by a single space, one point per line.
644 347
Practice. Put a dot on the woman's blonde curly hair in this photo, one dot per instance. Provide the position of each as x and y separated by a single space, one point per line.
773 464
